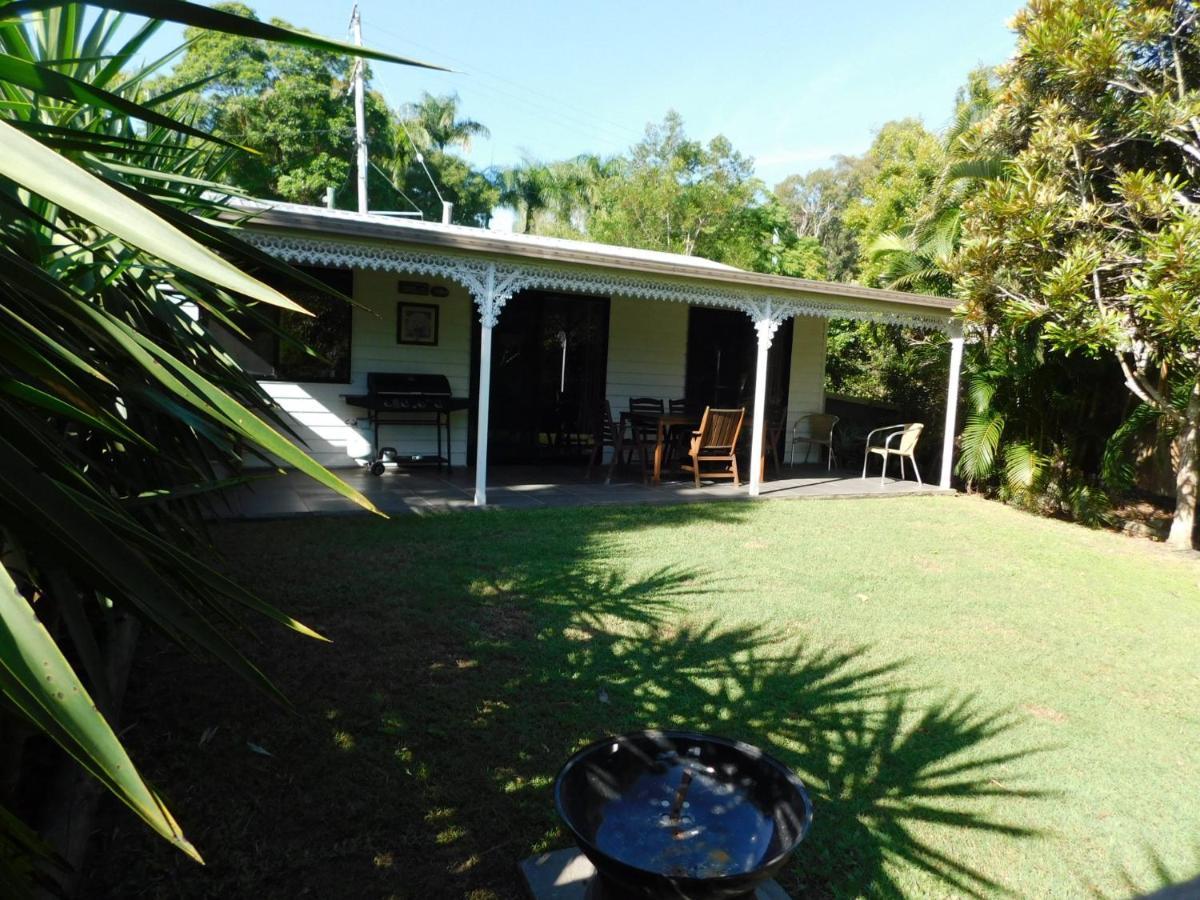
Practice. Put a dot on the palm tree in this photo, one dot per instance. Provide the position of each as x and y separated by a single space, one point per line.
526 189
920 256
434 124
560 195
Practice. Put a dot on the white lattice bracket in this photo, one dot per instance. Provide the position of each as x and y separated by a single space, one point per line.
768 315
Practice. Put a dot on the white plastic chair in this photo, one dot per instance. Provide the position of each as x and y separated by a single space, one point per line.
908 434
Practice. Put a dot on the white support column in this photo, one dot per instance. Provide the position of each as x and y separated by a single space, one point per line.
491 291
489 314
766 326
956 355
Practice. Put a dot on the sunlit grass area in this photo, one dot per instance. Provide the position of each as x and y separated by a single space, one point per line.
981 701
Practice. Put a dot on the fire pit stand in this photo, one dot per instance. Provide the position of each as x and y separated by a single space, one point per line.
569 875
672 815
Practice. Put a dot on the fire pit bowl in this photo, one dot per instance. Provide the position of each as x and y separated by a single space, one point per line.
682 815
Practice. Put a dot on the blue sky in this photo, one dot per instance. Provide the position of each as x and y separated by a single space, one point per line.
789 83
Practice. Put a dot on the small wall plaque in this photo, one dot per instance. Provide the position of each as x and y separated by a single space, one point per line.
417 323
414 288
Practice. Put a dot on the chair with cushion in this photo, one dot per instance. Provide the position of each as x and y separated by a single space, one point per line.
896 440
813 430
715 441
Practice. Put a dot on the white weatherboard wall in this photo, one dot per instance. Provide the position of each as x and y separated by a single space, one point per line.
806 385
647 350
647 356
320 416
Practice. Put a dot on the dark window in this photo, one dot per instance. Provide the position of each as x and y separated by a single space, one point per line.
278 340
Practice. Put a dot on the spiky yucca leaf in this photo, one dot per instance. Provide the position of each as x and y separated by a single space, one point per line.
118 409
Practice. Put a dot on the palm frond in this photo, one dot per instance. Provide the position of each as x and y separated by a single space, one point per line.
981 438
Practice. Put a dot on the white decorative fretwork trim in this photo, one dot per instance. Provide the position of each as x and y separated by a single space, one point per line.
492 282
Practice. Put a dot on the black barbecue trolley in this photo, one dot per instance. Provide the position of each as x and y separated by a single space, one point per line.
398 398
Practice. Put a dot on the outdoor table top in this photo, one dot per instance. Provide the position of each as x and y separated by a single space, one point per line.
665 421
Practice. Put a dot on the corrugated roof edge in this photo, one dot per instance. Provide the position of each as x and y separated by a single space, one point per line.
294 216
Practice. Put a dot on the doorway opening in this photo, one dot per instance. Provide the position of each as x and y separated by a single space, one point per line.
549 373
722 349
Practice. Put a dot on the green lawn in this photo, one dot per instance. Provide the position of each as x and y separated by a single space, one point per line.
980 701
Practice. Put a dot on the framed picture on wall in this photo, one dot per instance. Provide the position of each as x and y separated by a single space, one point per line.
417 323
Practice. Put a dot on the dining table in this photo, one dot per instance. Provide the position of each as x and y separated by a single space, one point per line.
663 422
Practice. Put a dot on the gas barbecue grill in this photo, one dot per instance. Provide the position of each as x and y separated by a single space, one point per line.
401 398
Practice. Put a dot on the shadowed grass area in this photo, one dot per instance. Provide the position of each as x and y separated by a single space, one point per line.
982 702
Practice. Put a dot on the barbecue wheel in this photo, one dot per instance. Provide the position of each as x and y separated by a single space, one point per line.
378 468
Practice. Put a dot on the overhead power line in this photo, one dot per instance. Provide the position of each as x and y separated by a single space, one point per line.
420 158
388 179
568 114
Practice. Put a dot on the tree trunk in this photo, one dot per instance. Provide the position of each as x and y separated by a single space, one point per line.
71 795
1186 475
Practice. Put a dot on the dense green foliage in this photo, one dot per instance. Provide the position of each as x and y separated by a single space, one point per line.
286 103
1091 241
669 192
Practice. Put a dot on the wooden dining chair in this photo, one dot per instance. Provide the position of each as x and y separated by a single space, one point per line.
679 437
606 434
646 405
715 441
776 425
643 427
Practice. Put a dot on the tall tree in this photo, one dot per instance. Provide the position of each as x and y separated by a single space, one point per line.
524 188
681 195
1093 242
676 194
917 256
899 172
816 204
287 103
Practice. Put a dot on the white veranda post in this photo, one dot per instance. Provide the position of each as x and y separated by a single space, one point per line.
766 326
956 355
490 293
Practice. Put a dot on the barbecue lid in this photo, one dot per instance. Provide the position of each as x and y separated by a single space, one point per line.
408 383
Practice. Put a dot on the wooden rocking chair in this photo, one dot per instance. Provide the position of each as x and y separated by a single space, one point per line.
716 442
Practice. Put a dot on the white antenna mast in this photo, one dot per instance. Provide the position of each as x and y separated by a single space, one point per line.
360 118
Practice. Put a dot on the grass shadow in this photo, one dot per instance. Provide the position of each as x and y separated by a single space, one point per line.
473 654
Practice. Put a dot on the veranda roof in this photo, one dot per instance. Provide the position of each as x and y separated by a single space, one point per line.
320 236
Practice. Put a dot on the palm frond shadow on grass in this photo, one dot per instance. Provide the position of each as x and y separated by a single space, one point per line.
881 762
461 688
1161 882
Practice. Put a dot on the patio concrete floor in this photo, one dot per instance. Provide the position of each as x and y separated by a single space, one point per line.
524 487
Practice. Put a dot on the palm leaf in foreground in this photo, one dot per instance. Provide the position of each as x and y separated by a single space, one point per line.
118 409
218 20
41 683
